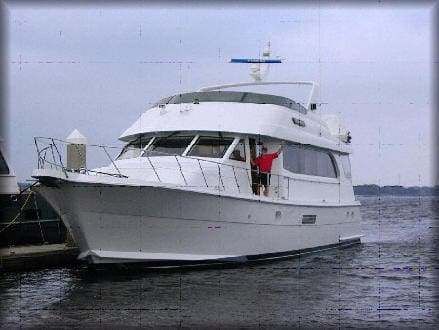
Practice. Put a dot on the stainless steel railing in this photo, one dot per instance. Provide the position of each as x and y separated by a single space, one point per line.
50 156
189 171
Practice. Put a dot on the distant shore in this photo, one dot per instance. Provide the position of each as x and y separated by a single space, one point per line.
375 190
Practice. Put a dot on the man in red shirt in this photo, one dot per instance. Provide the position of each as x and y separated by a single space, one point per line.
264 162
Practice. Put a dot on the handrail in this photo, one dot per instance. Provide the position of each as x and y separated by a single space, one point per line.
314 95
256 83
150 163
38 152
111 160
238 179
53 154
202 172
52 145
88 144
184 179
131 148
220 178
60 160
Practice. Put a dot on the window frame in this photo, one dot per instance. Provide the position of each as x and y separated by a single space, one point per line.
142 149
124 151
147 146
234 145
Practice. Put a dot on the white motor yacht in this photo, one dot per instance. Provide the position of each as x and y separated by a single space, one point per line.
8 181
25 218
183 189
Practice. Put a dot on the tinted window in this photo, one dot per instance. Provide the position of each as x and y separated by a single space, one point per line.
291 158
171 145
208 146
298 159
346 166
239 152
4 169
134 148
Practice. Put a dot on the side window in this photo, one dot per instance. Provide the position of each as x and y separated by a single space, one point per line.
308 162
300 160
325 165
239 152
210 146
291 156
346 166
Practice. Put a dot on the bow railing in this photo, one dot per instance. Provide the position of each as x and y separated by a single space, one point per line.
50 155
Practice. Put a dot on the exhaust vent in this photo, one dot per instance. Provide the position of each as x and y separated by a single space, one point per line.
309 219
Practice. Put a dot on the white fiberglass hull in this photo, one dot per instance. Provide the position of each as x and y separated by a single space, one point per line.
120 224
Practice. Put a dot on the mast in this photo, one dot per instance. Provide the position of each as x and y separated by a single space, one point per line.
259 67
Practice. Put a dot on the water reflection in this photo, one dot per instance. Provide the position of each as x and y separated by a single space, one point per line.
387 280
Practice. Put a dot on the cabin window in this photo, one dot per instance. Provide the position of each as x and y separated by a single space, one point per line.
346 166
134 148
209 146
300 160
4 169
169 145
239 152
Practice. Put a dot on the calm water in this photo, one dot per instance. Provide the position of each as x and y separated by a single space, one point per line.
387 282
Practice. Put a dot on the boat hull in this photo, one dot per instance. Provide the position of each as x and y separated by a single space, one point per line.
152 224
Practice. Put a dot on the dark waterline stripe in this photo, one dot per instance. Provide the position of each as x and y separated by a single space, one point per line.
170 264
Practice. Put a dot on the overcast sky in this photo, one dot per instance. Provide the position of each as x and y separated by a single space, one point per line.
98 69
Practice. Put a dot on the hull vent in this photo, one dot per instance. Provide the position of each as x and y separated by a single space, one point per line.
309 219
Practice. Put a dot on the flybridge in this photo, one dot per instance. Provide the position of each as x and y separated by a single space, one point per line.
259 69
231 96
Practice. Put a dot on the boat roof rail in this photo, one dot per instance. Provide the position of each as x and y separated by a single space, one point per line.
313 98
232 96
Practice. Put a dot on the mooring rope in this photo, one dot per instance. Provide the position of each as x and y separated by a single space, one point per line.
14 219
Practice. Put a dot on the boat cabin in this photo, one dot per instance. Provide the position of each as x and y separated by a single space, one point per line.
298 168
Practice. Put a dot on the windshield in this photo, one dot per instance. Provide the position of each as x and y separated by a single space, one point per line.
210 146
134 148
171 145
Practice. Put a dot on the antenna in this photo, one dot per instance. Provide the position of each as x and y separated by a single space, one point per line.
259 67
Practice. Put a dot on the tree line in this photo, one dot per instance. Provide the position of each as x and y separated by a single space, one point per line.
375 190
